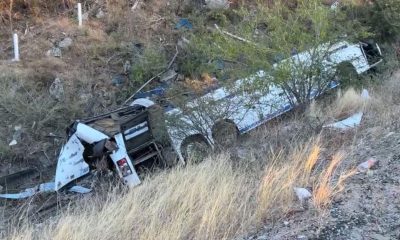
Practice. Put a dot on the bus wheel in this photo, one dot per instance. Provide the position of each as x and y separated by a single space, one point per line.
195 149
225 134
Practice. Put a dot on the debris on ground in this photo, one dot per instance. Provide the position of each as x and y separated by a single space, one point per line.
80 189
65 43
367 165
57 89
169 76
29 192
13 143
302 194
54 52
48 187
184 23
217 4
350 122
127 67
16 136
100 14
118 80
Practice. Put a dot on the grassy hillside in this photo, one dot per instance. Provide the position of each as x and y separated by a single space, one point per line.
234 193
242 192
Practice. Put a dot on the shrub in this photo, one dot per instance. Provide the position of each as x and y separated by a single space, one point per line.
381 17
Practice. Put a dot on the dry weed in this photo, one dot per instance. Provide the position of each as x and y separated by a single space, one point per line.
215 199
348 103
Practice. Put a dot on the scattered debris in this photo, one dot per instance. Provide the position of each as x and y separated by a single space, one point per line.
180 78
335 5
350 122
302 194
168 76
100 14
57 89
80 189
42 188
118 80
184 23
286 223
65 43
16 136
183 42
54 52
367 165
135 5
127 67
232 35
365 94
71 155
262 237
217 4
29 192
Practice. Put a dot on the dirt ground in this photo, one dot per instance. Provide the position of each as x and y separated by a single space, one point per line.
369 206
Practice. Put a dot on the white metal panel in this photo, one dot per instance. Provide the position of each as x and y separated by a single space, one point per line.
71 164
88 134
132 179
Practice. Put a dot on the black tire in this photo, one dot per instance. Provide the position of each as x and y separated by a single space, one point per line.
225 134
195 149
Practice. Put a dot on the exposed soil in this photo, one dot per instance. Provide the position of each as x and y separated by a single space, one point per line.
369 206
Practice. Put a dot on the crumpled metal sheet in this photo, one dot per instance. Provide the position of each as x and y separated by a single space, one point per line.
79 189
350 122
42 188
29 192
71 164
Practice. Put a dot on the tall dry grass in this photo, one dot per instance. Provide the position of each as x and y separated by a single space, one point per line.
216 199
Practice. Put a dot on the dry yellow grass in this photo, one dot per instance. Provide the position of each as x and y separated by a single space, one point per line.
348 103
215 199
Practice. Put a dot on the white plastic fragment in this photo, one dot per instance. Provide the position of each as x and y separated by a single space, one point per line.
29 192
365 94
335 5
350 122
46 187
367 165
79 189
88 134
71 164
302 194
42 188
13 143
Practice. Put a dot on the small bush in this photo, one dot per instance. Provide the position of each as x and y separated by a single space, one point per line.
34 110
148 64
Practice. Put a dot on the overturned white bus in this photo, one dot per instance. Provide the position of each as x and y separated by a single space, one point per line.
127 137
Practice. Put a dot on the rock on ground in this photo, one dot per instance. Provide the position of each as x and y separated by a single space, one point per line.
57 89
